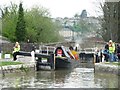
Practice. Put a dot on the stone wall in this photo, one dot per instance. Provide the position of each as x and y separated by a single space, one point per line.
8 47
107 68
16 68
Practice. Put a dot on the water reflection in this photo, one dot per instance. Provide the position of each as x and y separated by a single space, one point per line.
107 80
81 78
76 78
16 79
52 79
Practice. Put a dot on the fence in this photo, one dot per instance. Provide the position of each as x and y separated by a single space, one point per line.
28 47
8 47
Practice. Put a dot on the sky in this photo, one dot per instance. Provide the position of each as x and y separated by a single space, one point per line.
59 8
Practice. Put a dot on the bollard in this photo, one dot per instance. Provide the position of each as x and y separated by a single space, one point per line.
103 57
33 56
33 59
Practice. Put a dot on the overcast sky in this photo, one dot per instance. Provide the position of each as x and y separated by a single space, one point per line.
59 8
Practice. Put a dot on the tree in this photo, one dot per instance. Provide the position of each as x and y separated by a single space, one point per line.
118 21
110 24
34 24
40 27
9 20
0 27
20 32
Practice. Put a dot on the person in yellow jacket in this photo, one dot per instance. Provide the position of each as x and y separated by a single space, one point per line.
111 50
16 51
74 53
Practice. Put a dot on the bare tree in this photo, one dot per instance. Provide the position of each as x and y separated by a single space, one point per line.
110 21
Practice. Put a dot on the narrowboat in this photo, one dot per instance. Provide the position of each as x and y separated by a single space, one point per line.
64 60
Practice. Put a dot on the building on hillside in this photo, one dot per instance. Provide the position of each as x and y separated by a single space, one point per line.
67 25
68 34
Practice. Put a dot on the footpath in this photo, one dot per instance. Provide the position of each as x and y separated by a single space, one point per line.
107 68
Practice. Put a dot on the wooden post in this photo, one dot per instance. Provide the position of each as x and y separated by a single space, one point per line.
3 73
94 60
0 55
37 63
52 58
47 50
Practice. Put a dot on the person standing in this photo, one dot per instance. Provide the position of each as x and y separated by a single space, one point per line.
118 51
111 50
16 51
74 53
106 52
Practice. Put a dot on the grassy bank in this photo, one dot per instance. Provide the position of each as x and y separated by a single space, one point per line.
5 63
113 63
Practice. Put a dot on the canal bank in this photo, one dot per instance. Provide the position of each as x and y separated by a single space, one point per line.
104 67
26 64
16 68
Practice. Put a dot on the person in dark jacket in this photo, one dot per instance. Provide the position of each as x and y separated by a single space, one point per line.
107 46
118 51
106 52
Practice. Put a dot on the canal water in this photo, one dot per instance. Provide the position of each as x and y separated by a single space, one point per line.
80 77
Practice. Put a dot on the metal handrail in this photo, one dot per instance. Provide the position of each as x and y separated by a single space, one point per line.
46 49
